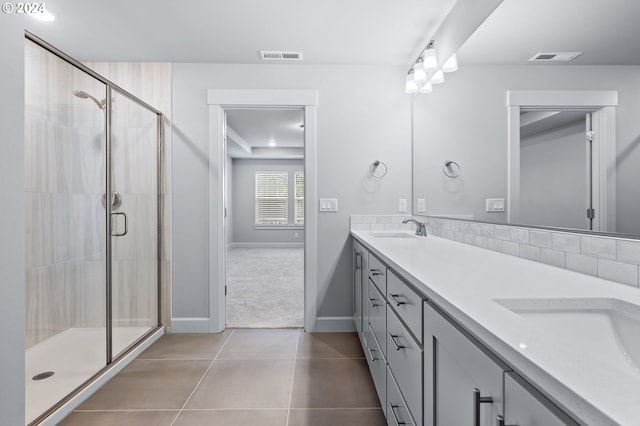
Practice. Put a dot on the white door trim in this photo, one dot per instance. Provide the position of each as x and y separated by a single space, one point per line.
604 161
218 99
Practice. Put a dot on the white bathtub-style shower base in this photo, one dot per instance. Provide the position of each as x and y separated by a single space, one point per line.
74 355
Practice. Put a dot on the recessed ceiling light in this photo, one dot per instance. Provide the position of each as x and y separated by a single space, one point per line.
45 15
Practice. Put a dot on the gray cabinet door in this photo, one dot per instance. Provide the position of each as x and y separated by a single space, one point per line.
455 370
357 289
525 406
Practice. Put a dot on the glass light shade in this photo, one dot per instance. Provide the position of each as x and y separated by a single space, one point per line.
430 60
419 74
437 78
451 65
426 88
410 86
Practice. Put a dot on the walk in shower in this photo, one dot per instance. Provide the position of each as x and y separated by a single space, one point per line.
92 167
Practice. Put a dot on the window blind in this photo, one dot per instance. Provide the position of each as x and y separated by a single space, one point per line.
272 198
299 195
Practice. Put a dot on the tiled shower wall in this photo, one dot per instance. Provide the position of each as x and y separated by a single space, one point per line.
64 275
611 258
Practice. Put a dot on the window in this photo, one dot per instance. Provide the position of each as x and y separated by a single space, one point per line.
272 198
299 205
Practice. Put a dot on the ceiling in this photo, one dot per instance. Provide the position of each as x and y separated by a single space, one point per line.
538 122
249 132
233 31
607 31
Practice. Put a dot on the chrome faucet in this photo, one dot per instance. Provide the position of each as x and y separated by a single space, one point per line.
421 228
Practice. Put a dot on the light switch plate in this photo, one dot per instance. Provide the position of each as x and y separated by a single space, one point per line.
328 204
495 205
402 205
422 205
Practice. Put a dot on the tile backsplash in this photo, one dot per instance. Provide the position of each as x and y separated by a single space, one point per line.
611 258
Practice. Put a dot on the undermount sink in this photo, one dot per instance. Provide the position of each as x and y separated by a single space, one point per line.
391 235
604 326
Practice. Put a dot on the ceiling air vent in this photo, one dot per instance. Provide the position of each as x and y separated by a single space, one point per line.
555 56
275 55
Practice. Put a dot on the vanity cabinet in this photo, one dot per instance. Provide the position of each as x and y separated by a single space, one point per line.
427 369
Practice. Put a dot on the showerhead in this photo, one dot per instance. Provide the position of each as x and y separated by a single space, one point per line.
84 95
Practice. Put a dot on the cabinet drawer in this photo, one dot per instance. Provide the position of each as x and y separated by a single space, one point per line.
378 368
525 406
407 304
404 356
397 410
378 273
377 315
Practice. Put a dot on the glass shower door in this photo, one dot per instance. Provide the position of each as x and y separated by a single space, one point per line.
134 221
65 339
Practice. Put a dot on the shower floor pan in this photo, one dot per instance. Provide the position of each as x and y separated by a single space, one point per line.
73 355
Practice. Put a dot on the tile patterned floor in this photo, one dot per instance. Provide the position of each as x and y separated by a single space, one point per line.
266 377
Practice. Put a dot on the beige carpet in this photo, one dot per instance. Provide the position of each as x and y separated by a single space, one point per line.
265 287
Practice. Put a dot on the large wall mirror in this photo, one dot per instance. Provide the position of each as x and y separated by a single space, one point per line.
540 125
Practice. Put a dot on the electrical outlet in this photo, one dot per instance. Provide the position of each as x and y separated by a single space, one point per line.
402 205
422 205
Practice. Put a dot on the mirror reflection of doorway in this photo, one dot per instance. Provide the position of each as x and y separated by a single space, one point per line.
556 168
265 217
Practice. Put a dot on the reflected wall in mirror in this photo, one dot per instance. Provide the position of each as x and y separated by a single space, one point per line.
467 121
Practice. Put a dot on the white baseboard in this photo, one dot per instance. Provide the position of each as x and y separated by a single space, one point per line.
190 325
265 245
335 324
62 412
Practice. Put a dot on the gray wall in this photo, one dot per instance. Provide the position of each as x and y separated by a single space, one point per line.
12 262
244 202
465 120
363 114
553 178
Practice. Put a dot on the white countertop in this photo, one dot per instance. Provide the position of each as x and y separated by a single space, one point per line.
464 280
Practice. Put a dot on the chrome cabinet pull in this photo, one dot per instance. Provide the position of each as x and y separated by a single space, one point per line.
373 357
393 340
373 304
375 272
395 416
477 400
500 421
394 297
126 230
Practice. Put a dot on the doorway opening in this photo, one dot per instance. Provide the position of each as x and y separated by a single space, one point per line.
566 140
264 199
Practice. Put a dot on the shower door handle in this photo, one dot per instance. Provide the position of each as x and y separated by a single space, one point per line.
126 229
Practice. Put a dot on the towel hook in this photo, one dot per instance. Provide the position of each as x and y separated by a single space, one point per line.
375 167
449 170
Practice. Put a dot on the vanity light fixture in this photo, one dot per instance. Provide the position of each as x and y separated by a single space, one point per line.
451 65
410 86
424 71
437 78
